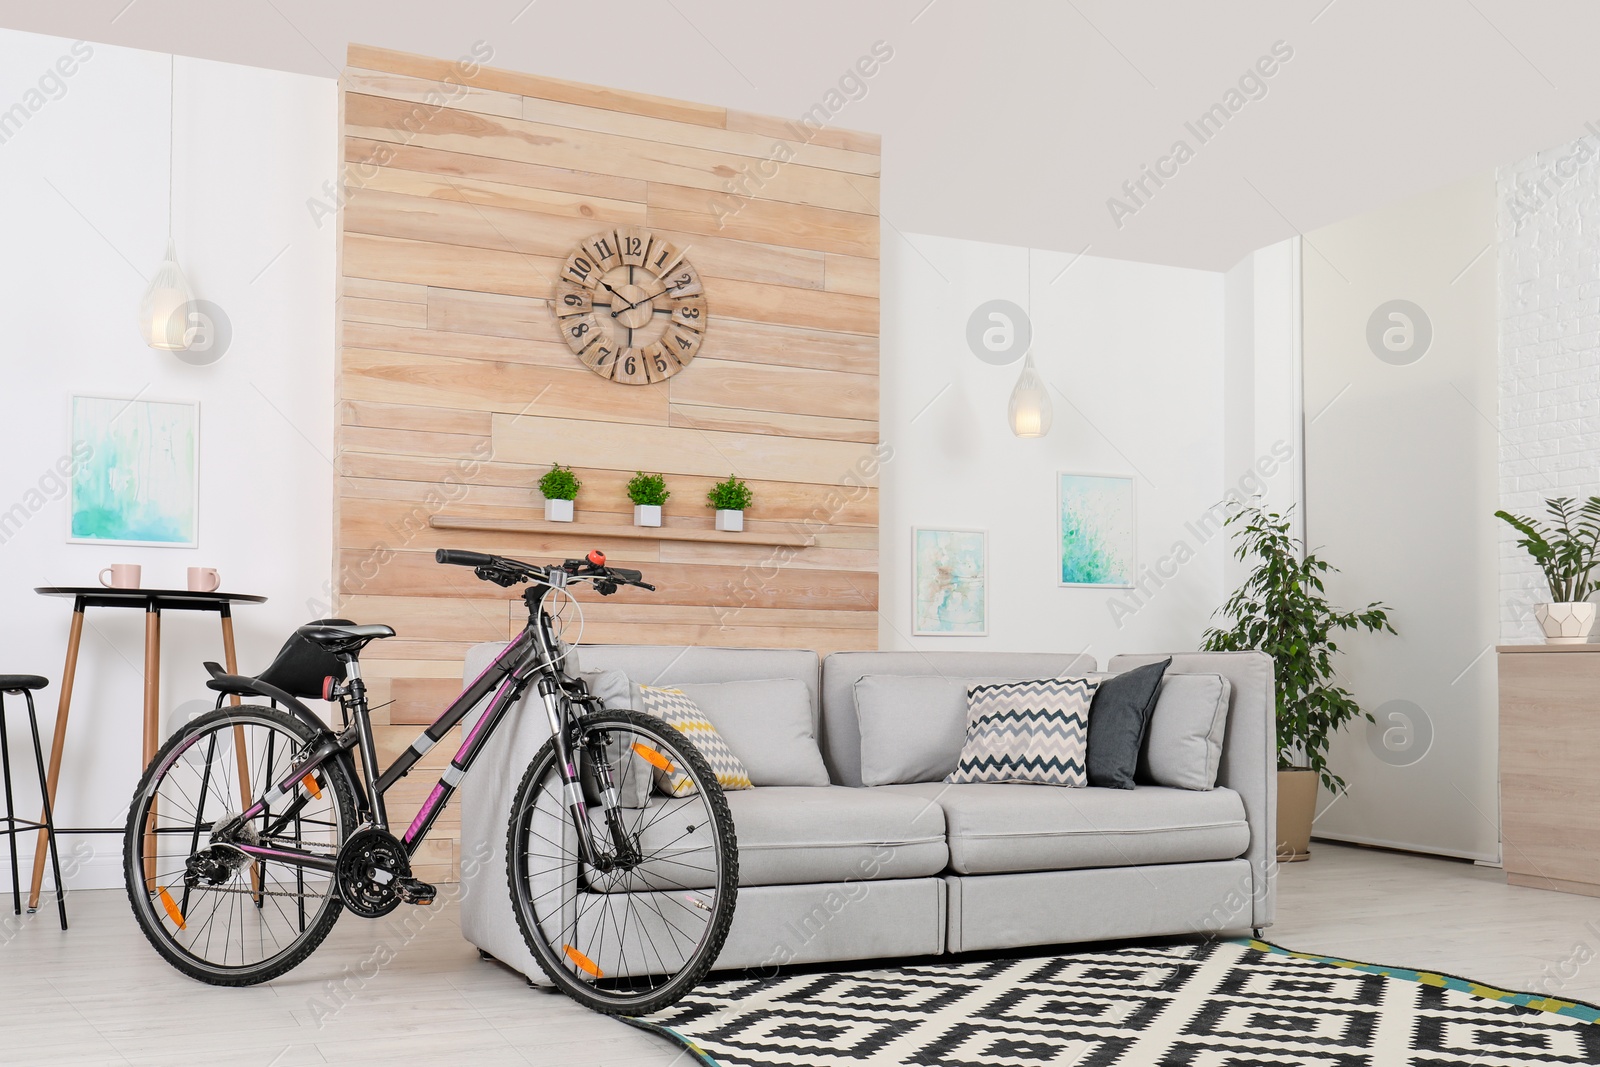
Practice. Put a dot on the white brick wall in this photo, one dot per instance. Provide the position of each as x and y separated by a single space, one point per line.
1549 265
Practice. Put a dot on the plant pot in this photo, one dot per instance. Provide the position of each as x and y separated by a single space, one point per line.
558 511
647 514
1566 624
1297 805
730 521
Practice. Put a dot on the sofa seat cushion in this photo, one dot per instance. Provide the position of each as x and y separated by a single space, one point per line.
999 829
797 835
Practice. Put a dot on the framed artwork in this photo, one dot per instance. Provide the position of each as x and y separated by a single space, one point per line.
140 482
950 583
1095 533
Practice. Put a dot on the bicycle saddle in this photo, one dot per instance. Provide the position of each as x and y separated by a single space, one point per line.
339 638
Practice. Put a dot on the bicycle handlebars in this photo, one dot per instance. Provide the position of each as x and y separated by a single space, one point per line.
507 572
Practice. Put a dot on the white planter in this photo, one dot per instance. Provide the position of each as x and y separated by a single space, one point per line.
558 511
647 514
730 521
1566 624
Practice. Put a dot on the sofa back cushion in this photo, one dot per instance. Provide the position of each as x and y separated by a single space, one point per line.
676 664
1183 746
768 724
912 728
841 730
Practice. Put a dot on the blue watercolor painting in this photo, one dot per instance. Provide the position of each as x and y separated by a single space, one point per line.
950 582
139 483
1097 533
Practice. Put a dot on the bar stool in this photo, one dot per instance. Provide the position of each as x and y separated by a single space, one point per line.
25 684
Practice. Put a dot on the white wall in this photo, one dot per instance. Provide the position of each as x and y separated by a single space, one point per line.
1549 255
1400 489
84 184
1137 353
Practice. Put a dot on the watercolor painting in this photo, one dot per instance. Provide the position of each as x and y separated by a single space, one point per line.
950 582
140 484
1096 530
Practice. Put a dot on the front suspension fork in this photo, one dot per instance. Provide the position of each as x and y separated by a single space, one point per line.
572 786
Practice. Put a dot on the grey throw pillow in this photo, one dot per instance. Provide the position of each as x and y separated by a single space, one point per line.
1117 723
1027 732
1183 747
768 725
912 725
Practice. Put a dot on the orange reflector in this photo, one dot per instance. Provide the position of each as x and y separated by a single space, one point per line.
172 908
311 786
654 758
579 960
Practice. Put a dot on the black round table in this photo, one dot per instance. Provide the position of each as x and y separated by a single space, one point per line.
153 602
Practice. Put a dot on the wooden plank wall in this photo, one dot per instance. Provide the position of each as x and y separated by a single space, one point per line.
464 189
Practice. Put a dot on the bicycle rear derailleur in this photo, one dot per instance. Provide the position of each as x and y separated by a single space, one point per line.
374 874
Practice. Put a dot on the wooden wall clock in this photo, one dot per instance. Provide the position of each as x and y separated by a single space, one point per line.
630 306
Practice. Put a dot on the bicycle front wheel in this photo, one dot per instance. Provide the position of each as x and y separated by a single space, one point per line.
634 926
210 910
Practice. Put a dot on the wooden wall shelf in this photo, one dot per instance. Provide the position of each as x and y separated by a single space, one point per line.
600 529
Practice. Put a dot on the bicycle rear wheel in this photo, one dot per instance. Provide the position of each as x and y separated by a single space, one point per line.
631 930
212 911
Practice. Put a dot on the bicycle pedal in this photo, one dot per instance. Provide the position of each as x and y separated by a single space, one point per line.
415 892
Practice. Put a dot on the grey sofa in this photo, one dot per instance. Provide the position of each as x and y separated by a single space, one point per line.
846 871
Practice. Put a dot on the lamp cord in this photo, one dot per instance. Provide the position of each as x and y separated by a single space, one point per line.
172 93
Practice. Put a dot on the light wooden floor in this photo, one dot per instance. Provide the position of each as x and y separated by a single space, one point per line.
99 995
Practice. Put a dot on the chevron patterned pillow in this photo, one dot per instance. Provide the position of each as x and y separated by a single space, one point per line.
1027 732
674 708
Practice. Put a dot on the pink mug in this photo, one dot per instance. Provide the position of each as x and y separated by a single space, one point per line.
204 580
123 576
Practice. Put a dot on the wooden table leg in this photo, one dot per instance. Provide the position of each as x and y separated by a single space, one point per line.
67 674
152 727
241 758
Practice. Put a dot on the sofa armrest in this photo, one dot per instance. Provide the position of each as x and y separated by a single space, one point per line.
1249 764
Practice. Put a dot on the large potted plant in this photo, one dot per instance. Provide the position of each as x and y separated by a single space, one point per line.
1567 552
1280 609
560 488
648 492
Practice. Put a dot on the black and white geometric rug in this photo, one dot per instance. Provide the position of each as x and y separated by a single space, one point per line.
1217 1004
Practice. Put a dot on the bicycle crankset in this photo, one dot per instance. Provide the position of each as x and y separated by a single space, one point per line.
371 869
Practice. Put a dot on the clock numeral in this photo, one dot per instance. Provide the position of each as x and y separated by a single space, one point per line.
631 368
604 250
682 281
632 244
572 300
582 270
682 342
581 331
662 255
690 312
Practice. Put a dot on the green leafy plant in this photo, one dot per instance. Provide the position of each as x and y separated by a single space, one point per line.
1281 610
648 489
1568 550
730 495
559 483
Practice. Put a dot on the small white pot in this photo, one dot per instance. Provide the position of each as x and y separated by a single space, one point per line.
558 511
647 514
1566 624
730 521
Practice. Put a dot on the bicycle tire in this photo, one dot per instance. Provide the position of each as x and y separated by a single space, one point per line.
681 751
335 779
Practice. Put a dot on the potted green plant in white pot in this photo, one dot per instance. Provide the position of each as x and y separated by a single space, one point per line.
1280 609
1567 552
560 488
648 492
730 497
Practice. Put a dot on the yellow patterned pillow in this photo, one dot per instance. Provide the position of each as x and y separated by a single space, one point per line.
671 706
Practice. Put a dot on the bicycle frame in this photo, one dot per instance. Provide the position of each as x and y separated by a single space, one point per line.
532 656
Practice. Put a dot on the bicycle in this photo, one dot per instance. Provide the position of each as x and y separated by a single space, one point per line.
623 892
